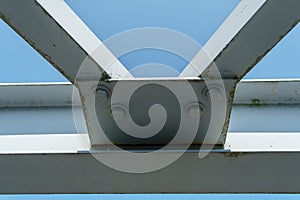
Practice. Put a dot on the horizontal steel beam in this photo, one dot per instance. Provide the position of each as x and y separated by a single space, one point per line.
15 95
43 164
217 173
40 143
259 106
263 141
72 143
248 92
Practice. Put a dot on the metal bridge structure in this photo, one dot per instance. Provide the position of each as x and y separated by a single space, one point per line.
255 149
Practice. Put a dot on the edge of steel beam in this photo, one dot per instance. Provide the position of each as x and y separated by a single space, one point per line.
58 34
246 36
81 33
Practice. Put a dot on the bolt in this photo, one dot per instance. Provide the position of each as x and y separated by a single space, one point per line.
214 93
118 112
195 110
101 95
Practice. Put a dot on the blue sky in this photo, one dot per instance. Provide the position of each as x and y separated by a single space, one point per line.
195 18
20 63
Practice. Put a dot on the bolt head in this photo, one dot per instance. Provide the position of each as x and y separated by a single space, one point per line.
101 95
214 93
195 110
118 112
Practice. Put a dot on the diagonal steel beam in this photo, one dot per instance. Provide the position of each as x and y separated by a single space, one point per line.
247 35
59 35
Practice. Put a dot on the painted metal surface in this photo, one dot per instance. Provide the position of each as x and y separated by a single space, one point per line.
246 36
265 118
217 173
63 45
69 42
29 121
259 162
238 19
248 92
36 95
156 94
268 92
263 141
40 143
57 34
262 108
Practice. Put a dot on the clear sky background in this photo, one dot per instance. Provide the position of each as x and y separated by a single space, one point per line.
198 19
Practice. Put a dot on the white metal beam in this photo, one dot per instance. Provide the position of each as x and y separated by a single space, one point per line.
40 143
217 173
80 32
59 35
263 142
246 36
262 108
56 163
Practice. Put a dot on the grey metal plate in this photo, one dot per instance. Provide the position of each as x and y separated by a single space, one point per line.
153 92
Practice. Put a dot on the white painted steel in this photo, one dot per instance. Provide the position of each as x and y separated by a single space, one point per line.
268 110
222 37
79 31
246 36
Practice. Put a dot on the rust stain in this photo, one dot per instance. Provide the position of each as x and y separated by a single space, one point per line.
234 154
228 112
255 101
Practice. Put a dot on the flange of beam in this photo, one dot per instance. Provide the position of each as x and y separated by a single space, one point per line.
59 35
